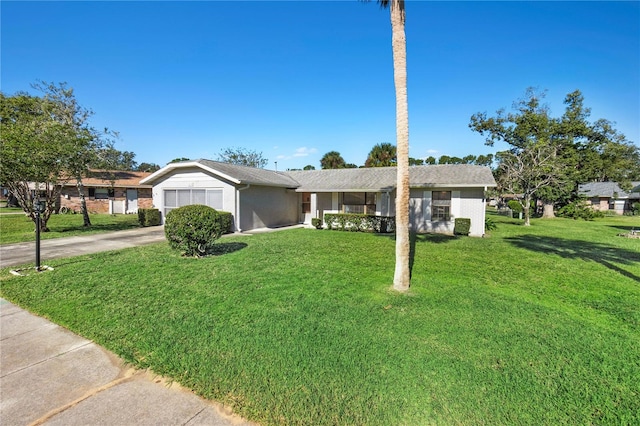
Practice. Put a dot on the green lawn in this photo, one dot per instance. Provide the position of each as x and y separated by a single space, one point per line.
530 325
16 228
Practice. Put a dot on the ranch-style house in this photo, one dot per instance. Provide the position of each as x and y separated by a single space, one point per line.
260 198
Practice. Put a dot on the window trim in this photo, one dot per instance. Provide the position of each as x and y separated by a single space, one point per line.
369 207
441 206
207 193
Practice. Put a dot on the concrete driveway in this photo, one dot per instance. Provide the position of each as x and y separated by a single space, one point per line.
23 253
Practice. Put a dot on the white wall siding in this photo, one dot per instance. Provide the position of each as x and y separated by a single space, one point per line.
193 179
266 207
472 207
465 203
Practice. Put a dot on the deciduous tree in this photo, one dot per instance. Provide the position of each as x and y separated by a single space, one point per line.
548 157
243 157
148 167
46 141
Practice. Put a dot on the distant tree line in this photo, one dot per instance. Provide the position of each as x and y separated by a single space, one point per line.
384 155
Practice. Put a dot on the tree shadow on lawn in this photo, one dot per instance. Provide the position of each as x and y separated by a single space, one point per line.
603 254
415 238
625 228
219 249
95 227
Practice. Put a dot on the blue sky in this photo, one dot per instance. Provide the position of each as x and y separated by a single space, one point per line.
296 79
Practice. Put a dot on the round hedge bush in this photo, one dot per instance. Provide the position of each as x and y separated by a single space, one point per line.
193 229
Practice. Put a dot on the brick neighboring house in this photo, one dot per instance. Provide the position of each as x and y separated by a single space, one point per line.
608 196
109 191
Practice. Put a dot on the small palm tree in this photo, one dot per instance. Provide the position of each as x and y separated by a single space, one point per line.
332 160
382 155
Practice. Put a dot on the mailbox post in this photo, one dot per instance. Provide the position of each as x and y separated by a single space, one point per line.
38 208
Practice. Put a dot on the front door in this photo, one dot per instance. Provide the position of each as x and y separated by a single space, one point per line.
306 207
132 201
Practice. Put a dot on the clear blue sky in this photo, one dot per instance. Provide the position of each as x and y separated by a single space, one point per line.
296 79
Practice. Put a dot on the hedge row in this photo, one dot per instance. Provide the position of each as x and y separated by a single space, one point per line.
359 222
227 222
149 217
461 226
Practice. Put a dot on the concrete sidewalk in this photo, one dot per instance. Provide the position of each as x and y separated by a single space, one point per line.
51 376
23 253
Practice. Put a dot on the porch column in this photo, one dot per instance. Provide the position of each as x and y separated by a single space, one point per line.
314 204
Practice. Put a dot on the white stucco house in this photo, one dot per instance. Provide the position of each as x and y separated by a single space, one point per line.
260 198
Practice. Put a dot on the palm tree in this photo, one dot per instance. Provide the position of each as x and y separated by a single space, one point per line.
332 160
382 155
401 277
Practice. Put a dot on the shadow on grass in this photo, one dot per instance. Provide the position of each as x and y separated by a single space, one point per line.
219 249
625 228
415 239
603 254
101 227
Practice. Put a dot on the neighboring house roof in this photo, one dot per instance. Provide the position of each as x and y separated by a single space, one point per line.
116 178
384 178
329 180
608 190
104 178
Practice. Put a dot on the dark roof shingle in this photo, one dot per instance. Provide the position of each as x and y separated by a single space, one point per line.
384 178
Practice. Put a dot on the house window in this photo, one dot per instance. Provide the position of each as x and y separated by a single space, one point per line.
359 202
101 193
306 202
183 197
441 205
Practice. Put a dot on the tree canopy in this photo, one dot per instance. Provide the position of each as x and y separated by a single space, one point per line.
243 157
548 157
46 141
332 160
382 155
147 167
109 158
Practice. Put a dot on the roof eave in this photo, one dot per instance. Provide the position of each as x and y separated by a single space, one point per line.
187 164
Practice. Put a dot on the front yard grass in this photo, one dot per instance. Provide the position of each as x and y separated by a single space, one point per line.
18 228
530 325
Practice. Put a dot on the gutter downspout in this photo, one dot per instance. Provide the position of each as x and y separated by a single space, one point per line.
238 206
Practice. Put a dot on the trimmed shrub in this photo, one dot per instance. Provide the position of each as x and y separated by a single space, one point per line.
462 226
578 209
149 217
193 229
317 222
515 206
227 222
360 222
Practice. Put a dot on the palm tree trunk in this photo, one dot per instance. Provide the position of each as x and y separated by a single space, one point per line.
401 278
